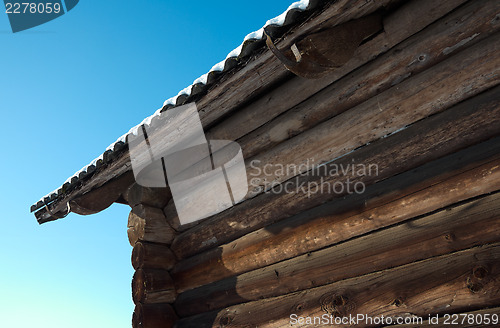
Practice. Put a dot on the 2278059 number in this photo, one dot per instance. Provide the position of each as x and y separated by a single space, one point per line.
32 8
472 319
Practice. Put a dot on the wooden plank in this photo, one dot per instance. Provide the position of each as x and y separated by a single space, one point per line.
152 256
437 234
149 224
153 286
153 316
466 174
445 284
408 149
474 319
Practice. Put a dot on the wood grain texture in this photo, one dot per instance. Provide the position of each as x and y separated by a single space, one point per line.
368 123
153 316
450 283
266 71
258 75
152 256
466 174
414 55
153 286
441 233
154 197
149 224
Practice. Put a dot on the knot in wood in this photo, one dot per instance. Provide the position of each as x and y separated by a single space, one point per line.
225 321
335 304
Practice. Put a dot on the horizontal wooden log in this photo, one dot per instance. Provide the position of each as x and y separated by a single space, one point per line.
466 174
408 149
416 54
432 91
377 76
152 256
101 198
149 224
170 212
153 197
398 26
450 283
153 286
263 72
217 97
474 319
153 316
446 231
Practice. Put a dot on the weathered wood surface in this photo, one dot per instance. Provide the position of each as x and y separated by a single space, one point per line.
319 53
147 223
450 283
445 37
153 286
153 316
478 321
468 173
441 233
98 200
414 55
259 74
154 197
170 212
152 256
269 106
409 148
380 75
432 91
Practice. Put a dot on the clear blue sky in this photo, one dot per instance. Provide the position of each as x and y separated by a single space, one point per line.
68 89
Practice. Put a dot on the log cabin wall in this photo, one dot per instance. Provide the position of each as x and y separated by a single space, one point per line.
415 111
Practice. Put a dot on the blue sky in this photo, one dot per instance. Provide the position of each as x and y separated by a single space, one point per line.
68 89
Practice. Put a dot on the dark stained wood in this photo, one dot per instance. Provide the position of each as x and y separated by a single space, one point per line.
173 219
387 112
152 256
440 135
450 283
219 101
153 286
154 197
414 55
441 233
100 199
432 91
259 74
318 53
153 316
149 224
272 104
468 173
